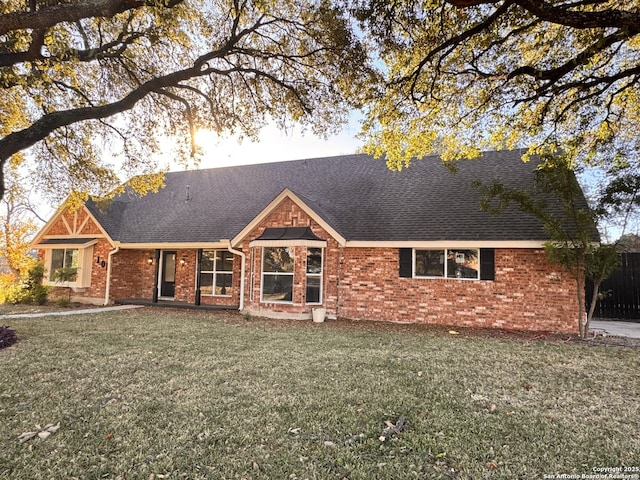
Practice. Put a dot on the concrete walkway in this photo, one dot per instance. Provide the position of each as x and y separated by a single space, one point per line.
71 312
618 329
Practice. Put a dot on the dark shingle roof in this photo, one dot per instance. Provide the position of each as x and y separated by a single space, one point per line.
355 194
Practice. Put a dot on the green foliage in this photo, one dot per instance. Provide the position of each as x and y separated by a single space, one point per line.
64 274
29 289
558 202
63 302
464 76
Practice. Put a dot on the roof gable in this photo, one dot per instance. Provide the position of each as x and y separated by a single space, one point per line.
67 226
273 205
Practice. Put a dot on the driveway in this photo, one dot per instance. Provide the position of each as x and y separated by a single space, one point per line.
618 329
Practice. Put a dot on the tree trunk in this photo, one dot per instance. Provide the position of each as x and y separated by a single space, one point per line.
580 284
594 299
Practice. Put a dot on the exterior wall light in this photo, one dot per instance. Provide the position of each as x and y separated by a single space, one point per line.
150 260
183 261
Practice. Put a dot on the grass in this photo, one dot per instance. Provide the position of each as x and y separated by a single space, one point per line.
148 394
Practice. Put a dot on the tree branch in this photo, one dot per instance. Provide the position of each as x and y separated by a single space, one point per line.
72 12
567 16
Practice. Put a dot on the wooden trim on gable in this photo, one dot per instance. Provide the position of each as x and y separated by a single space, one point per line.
286 193
71 231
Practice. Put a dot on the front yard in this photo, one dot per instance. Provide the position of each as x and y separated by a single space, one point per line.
167 394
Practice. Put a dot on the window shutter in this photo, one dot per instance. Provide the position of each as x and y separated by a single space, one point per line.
406 262
487 264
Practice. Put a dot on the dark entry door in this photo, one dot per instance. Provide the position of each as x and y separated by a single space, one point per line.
168 278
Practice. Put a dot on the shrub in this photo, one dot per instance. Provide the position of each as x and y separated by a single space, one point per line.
7 337
28 290
38 293
63 302
16 293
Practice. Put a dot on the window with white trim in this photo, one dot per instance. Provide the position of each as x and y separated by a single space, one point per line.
314 276
277 274
63 258
216 273
447 263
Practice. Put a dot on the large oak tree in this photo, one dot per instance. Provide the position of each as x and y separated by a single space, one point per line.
79 78
466 75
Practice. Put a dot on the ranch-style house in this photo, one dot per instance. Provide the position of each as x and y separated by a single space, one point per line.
344 233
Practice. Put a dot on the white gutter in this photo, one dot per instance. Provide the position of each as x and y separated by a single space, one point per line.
108 284
242 269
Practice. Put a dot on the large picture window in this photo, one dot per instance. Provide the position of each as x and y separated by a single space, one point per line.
63 258
314 275
216 273
447 263
277 274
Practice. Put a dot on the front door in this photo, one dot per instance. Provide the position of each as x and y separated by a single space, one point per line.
168 275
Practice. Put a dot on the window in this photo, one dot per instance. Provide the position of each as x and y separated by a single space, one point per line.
447 263
63 258
314 275
277 274
216 273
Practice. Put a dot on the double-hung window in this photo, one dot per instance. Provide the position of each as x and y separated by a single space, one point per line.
447 263
63 258
216 272
314 275
277 274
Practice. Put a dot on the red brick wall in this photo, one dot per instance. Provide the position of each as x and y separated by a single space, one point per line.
528 293
289 214
132 277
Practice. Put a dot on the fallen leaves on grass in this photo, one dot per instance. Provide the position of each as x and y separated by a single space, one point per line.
40 432
392 429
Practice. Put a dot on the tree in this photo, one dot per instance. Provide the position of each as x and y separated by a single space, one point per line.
17 227
89 79
629 243
570 222
467 75
65 275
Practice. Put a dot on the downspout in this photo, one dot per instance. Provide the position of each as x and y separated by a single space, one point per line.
108 283
243 258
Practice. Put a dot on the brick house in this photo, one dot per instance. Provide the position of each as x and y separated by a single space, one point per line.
343 232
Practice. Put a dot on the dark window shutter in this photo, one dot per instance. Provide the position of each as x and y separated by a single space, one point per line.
487 264
406 262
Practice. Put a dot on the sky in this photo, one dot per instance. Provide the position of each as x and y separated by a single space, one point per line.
273 146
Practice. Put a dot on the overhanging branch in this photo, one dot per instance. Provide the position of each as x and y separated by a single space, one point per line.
71 12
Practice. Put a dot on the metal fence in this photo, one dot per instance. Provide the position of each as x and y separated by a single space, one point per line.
622 291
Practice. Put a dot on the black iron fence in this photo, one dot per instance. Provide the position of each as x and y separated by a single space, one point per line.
622 291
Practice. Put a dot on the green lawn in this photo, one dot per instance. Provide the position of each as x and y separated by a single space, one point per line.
165 394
